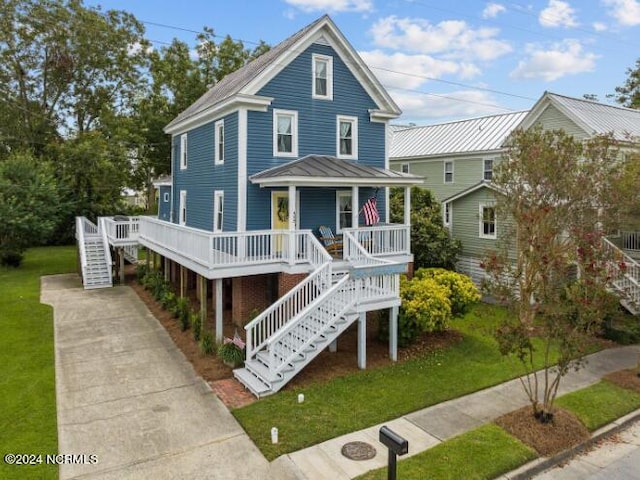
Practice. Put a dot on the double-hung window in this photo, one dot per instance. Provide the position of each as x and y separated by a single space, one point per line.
182 215
183 151
487 221
446 214
448 172
322 77
404 168
219 142
344 208
347 137
285 133
487 169
218 210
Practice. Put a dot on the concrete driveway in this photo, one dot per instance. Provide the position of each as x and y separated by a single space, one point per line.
127 396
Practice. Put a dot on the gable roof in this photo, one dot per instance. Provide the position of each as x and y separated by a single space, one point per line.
245 82
325 170
463 136
471 189
593 117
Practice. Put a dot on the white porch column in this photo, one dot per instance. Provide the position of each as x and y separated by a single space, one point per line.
362 341
292 224
355 209
393 334
219 308
407 214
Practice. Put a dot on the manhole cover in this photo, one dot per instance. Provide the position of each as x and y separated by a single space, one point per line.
358 451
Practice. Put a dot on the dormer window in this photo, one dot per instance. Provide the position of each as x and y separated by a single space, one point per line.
322 87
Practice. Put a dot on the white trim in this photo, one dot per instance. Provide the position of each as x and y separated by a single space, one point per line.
329 61
447 210
218 138
218 207
242 170
444 169
165 197
481 234
294 132
182 211
484 168
343 193
183 152
354 137
336 181
405 170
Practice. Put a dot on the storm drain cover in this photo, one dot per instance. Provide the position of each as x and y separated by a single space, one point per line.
358 451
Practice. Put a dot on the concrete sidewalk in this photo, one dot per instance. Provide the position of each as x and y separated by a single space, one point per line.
430 426
127 395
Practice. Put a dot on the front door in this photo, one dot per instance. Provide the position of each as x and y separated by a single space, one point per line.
280 218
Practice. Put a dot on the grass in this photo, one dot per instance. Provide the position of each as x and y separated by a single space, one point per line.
28 403
484 453
363 399
600 404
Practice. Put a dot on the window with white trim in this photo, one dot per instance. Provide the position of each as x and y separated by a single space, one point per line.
166 196
344 207
218 210
487 169
219 142
183 151
347 137
322 75
487 221
182 215
404 168
285 133
448 172
446 214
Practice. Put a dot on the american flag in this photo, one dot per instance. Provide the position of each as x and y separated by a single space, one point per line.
370 210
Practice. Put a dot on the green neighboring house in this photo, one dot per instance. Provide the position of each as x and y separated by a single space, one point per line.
455 158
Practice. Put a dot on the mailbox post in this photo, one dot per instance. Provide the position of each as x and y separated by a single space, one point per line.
396 445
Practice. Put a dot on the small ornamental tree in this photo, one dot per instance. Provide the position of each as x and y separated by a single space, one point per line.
557 199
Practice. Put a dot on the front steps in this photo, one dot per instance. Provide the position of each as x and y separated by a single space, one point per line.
96 273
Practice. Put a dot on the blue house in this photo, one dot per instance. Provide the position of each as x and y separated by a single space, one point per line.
295 140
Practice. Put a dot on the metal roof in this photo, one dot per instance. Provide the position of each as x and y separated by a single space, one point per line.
324 170
463 136
599 118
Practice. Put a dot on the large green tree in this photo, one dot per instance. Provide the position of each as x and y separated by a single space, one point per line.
558 196
629 93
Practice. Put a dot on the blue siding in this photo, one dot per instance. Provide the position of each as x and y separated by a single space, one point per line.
164 206
201 177
291 90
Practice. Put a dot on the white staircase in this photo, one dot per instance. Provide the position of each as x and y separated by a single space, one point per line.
95 257
625 279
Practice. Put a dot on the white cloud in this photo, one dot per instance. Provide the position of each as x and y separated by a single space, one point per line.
626 12
492 10
442 107
413 68
599 26
332 5
453 39
566 58
558 14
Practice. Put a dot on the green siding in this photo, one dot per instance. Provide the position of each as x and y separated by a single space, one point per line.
466 223
554 119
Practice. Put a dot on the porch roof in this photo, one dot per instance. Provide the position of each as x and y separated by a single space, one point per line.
328 171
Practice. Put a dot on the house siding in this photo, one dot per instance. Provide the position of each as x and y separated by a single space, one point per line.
291 90
202 177
164 207
465 224
553 119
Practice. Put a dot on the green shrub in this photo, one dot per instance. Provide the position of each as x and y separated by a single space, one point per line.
196 324
425 302
463 291
168 301
181 308
207 344
141 271
230 353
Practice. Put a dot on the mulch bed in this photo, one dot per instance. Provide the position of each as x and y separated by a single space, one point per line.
626 379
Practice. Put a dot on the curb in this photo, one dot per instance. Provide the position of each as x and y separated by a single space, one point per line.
535 467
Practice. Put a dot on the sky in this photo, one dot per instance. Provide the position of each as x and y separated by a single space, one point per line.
439 60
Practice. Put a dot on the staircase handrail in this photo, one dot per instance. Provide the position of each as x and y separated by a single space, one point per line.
291 325
81 248
286 308
627 258
105 242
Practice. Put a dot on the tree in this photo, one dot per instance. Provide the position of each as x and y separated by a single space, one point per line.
431 243
557 198
29 205
629 93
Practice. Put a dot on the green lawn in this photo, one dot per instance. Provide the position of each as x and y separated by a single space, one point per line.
484 453
27 382
366 398
600 404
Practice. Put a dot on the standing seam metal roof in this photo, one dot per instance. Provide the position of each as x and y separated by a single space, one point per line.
463 136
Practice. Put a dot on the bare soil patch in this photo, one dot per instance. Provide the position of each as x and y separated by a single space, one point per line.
563 432
626 379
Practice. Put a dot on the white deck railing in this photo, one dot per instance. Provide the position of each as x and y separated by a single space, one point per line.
630 240
625 273
381 240
80 234
107 250
121 230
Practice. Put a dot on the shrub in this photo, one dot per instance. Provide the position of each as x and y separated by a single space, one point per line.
230 353
425 302
463 291
141 272
181 308
168 301
207 344
196 324
11 259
